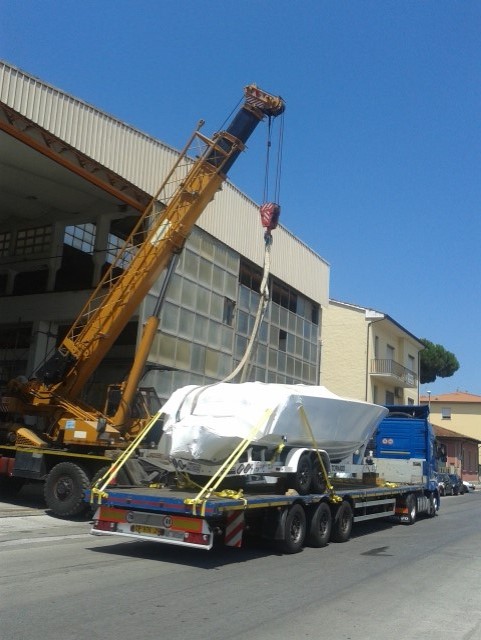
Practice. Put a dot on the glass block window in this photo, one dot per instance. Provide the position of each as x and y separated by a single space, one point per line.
5 239
208 317
229 308
35 240
114 245
81 237
284 296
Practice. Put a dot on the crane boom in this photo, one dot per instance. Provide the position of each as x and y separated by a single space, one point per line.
185 193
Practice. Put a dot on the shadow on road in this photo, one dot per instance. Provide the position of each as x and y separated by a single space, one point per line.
219 555
30 496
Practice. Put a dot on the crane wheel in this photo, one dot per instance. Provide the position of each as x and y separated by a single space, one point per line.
65 488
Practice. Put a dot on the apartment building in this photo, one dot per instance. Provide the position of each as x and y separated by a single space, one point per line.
460 413
366 354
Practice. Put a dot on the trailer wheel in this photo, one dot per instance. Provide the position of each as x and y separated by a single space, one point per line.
294 530
65 488
320 526
318 482
342 525
412 507
302 478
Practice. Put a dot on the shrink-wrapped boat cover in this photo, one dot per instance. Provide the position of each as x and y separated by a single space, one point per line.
205 423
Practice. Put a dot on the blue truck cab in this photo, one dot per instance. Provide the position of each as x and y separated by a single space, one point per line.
406 434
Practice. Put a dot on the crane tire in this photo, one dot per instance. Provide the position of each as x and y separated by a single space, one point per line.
65 488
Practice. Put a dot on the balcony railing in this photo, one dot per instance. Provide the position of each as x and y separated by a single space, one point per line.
402 376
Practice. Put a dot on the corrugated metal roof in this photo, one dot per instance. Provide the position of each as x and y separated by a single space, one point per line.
144 161
123 149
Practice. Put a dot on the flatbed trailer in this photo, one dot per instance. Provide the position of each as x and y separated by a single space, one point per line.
179 517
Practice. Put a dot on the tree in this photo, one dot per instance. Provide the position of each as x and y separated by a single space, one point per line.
436 362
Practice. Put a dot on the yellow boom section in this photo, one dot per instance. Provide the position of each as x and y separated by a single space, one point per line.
146 253
160 232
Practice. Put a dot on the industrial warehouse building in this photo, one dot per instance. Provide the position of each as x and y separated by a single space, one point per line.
73 181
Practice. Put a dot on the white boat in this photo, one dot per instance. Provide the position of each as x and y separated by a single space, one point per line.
206 423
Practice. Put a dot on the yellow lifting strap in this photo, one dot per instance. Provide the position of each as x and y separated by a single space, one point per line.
98 492
224 469
332 496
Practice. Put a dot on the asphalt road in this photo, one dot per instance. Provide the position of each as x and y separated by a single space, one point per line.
408 582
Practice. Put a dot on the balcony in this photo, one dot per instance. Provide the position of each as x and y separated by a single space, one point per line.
392 371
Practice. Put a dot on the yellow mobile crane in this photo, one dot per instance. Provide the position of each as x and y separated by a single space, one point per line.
69 442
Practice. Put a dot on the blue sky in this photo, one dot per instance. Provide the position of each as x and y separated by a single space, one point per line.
381 162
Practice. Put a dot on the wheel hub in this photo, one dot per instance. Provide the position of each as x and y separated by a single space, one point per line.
63 489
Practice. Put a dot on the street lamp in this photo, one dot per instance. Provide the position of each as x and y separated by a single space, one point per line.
429 399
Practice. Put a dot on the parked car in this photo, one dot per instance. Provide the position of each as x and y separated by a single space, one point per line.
458 485
468 486
445 485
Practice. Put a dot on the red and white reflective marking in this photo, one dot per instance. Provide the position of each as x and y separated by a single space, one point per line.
234 529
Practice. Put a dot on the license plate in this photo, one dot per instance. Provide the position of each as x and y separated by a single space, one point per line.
147 530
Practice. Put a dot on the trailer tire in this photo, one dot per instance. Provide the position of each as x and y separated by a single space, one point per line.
412 507
318 482
342 525
320 526
65 489
301 480
295 527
